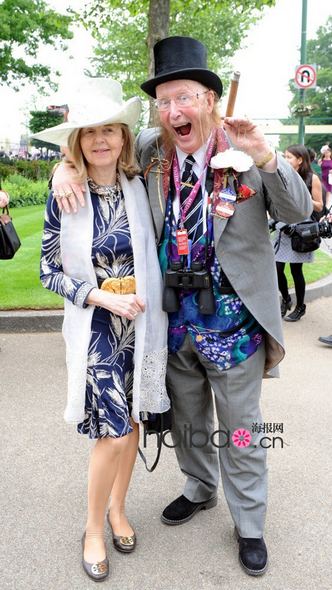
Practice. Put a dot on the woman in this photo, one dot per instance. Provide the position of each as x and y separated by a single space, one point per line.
326 166
103 261
298 157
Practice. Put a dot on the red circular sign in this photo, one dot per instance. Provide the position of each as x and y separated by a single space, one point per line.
305 76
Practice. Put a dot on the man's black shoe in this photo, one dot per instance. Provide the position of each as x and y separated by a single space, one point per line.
252 555
326 339
182 510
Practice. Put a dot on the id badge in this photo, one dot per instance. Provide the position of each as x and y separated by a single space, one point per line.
225 209
226 194
182 241
223 203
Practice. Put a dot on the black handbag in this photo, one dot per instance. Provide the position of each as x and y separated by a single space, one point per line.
301 241
159 425
9 240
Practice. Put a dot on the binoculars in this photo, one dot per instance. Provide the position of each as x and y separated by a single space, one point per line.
196 278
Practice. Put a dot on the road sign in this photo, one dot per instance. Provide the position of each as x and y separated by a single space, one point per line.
306 76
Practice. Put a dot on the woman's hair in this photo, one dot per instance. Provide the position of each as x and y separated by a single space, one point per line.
312 154
305 170
126 162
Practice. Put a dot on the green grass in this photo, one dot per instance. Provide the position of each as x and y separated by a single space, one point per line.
321 267
20 287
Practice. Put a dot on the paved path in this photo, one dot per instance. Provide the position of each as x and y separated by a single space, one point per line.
43 482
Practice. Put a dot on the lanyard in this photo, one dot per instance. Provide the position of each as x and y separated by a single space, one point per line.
177 181
208 235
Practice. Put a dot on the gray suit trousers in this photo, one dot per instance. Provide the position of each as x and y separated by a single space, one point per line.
199 445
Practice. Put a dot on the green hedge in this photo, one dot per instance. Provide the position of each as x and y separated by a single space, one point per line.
33 169
23 191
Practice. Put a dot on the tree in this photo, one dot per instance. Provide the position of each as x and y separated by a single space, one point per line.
40 120
126 30
25 25
318 100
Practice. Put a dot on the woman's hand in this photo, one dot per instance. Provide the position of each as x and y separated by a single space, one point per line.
4 199
248 137
127 306
66 189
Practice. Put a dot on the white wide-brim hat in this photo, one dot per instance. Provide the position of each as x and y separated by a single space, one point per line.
98 102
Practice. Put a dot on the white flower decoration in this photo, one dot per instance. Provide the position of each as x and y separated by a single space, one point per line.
231 158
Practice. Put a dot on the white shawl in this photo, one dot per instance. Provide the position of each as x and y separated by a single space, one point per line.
150 356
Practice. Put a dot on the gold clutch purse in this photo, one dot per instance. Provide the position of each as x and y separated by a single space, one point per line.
121 285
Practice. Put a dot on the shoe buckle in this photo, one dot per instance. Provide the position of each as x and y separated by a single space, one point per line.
99 568
129 541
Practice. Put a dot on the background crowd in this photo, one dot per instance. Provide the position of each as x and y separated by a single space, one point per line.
34 153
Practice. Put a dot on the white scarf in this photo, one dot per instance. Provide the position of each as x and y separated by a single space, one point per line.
150 356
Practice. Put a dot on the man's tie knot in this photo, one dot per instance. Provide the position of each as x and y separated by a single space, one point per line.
188 178
188 168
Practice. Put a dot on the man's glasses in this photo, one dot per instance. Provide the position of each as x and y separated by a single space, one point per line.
182 100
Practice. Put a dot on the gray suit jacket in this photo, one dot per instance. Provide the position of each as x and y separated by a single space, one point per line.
242 242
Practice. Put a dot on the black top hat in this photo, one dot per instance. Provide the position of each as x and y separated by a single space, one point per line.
181 58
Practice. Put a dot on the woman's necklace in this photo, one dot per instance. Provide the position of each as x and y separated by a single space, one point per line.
110 192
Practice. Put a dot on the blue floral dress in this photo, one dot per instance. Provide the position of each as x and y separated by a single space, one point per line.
110 370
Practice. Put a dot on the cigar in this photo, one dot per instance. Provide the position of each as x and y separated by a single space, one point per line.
232 94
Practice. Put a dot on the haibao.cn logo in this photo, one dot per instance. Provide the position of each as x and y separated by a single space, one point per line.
241 437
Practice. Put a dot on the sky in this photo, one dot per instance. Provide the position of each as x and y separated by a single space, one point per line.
266 61
270 57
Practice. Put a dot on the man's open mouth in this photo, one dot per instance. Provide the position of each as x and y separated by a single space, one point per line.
183 129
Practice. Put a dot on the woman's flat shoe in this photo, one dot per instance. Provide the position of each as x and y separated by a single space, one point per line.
98 571
121 543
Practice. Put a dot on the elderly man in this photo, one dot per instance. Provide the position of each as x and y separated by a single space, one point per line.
209 205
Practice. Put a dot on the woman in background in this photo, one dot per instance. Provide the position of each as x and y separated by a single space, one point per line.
4 198
298 158
326 166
